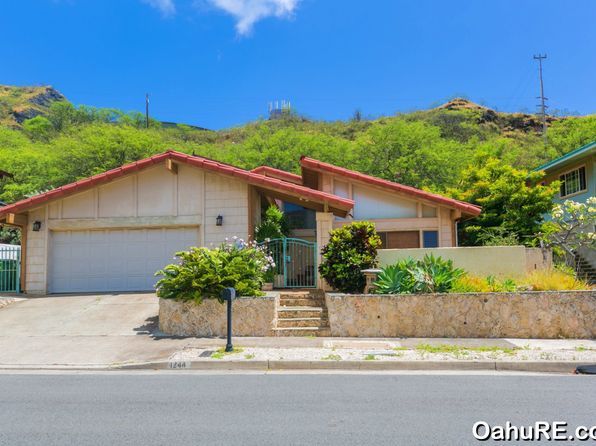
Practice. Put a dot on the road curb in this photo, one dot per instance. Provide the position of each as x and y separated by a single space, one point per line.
376 365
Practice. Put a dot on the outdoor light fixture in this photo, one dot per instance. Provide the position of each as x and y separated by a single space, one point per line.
36 225
219 220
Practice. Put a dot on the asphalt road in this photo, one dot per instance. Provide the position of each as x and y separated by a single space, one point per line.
196 409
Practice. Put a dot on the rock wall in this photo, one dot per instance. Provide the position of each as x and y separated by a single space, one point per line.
549 315
252 316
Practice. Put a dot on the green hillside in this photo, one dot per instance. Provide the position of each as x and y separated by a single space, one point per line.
434 149
18 104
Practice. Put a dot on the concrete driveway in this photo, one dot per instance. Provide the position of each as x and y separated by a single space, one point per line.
83 330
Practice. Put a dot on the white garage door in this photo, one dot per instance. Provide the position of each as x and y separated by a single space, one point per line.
113 260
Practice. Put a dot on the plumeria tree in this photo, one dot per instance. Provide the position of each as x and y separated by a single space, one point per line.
572 226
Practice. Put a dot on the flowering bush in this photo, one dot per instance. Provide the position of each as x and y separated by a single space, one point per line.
204 273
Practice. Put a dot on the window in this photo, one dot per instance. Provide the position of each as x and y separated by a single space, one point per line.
573 181
299 217
429 211
400 239
430 239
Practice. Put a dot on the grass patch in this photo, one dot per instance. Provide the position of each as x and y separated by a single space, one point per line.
458 350
221 352
249 356
400 349
331 357
370 357
582 348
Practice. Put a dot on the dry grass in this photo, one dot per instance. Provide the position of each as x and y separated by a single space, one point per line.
553 280
541 280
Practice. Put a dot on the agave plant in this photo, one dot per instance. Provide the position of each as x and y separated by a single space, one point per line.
391 280
429 275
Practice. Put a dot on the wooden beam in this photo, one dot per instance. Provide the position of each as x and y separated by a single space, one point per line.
251 212
23 259
73 224
400 224
16 219
172 166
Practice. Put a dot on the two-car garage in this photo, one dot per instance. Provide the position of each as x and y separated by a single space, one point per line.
113 259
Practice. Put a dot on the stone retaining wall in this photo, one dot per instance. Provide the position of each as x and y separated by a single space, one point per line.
252 316
548 315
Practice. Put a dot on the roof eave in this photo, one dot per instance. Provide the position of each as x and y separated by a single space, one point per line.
333 201
316 165
584 150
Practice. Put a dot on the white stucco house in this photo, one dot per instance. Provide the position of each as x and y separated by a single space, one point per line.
112 231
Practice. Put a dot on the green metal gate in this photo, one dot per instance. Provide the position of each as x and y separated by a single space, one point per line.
10 269
295 262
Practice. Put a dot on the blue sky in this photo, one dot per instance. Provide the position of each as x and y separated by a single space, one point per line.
217 63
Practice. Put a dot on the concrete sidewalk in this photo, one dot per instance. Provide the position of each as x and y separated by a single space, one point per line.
120 331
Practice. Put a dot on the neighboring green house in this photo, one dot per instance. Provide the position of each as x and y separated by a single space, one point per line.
576 171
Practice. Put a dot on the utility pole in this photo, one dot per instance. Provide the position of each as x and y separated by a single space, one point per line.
147 110
542 105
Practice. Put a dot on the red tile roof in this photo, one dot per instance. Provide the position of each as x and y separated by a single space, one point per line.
278 173
252 178
314 164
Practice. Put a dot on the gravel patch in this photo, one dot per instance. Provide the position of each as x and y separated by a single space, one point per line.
7 300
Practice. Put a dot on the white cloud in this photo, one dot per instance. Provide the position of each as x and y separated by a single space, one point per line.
249 12
166 7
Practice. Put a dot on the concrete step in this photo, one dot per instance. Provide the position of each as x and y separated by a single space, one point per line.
301 302
302 331
295 322
308 292
293 312
303 293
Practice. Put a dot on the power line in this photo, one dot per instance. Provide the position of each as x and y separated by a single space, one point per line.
543 100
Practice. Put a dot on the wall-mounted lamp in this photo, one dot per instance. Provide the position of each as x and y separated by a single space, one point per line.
219 221
36 225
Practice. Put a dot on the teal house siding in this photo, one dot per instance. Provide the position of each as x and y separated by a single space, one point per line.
583 156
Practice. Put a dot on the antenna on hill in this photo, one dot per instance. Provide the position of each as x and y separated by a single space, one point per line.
146 110
542 104
279 109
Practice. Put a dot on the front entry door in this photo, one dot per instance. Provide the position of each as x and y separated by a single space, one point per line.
295 262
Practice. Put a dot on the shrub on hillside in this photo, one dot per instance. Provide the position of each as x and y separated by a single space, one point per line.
429 275
204 273
351 249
